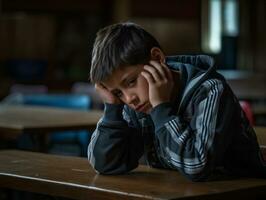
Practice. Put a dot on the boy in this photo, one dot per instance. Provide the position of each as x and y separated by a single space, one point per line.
176 111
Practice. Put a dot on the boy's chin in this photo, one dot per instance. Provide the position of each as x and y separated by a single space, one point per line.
147 111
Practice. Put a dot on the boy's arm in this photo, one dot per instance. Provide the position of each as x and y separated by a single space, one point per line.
114 147
191 147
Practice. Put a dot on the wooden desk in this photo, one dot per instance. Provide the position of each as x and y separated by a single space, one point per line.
15 120
72 177
261 135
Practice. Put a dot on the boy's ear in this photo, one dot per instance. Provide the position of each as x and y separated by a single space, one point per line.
157 54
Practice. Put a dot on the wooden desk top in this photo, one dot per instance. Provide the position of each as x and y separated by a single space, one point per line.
261 135
72 177
34 119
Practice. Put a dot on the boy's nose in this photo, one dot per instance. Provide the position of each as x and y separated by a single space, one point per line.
130 98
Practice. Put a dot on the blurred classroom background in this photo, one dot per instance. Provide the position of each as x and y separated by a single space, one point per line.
45 52
45 46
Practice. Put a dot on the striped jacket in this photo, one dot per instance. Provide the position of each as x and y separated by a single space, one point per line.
204 131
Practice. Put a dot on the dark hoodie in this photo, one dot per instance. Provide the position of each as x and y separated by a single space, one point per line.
204 130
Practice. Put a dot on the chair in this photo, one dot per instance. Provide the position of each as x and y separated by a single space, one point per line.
70 101
17 91
59 140
245 105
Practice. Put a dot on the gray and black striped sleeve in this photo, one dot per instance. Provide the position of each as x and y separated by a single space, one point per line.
115 147
187 146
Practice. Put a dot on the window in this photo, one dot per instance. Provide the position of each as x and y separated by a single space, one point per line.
219 19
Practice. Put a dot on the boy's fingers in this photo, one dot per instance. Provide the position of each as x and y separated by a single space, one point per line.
148 77
99 86
159 68
167 71
96 86
153 72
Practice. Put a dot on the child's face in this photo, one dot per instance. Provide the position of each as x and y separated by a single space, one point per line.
130 87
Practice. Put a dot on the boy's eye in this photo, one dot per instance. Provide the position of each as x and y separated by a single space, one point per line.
118 94
132 82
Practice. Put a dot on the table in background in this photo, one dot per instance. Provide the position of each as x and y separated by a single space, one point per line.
40 121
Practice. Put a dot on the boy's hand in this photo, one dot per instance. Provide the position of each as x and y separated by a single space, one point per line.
106 95
160 80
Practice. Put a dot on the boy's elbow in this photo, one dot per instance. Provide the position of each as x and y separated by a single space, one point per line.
108 169
100 168
197 177
105 166
200 176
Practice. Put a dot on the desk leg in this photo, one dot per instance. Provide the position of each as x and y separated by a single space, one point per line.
41 142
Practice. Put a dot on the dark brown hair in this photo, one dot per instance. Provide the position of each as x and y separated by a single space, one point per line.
119 45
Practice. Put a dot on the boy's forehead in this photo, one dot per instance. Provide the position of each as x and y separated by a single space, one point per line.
121 74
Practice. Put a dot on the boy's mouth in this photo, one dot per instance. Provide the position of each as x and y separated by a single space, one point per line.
142 107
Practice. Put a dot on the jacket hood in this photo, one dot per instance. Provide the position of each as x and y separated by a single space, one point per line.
191 66
194 71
